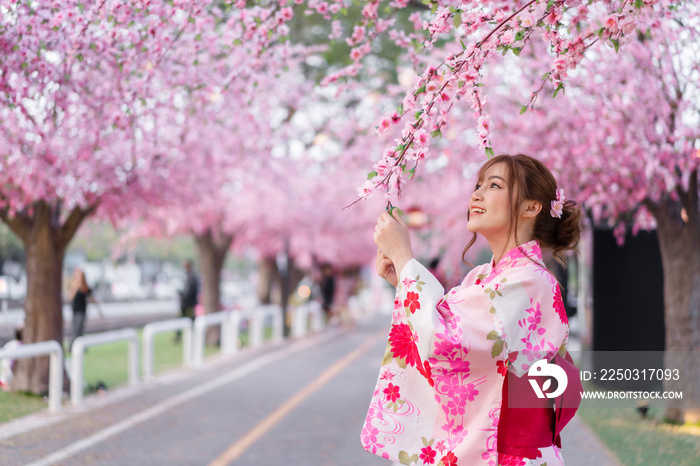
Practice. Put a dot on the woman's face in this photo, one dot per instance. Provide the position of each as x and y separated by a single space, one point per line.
489 207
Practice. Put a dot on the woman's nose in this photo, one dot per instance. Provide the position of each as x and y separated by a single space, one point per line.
476 195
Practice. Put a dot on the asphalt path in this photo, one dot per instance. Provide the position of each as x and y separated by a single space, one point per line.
294 403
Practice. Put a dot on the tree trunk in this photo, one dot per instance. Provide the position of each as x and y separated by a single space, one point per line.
679 241
45 241
267 276
212 249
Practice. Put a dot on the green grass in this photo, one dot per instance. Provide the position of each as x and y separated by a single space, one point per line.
14 405
109 363
640 441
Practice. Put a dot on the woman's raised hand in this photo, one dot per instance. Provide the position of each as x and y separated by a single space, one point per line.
393 240
385 269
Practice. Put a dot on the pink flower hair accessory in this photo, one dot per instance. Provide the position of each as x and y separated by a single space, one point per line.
557 205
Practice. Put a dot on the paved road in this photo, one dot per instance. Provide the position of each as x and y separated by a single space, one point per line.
297 403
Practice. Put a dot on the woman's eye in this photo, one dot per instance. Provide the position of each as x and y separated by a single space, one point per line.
495 185
477 187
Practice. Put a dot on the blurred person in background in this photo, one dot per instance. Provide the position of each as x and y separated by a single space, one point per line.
188 294
6 365
79 294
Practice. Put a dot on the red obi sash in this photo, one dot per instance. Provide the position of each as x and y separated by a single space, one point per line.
523 431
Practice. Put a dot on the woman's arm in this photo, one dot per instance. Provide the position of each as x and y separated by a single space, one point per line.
394 242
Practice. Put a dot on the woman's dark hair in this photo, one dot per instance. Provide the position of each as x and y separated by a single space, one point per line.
530 179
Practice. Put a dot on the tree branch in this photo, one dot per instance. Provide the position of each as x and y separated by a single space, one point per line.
71 224
19 223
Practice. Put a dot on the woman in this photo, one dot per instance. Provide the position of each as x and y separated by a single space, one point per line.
443 396
79 294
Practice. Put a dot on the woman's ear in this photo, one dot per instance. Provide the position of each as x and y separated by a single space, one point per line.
530 208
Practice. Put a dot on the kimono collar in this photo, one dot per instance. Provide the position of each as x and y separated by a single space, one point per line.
518 256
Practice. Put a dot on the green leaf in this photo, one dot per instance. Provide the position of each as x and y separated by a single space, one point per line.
492 310
420 91
523 109
560 87
458 19
79 57
616 44
464 47
493 335
392 208
371 175
419 288
404 458
497 348
639 4
388 357
479 84
81 7
489 152
401 362
436 134
24 65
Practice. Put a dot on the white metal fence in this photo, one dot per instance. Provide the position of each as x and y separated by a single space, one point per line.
55 352
150 330
302 314
259 318
229 334
95 339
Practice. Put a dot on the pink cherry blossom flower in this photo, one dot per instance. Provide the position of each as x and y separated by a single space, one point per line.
384 125
421 138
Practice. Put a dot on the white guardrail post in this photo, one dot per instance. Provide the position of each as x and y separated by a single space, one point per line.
301 319
55 351
149 332
95 339
229 322
257 317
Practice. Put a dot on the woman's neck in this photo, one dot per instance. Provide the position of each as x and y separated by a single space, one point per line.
501 248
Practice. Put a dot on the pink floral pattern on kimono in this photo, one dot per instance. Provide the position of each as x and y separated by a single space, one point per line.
438 396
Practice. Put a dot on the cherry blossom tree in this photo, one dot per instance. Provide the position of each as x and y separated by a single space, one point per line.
85 89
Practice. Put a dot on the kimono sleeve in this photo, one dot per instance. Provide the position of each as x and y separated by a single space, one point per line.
530 317
415 310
